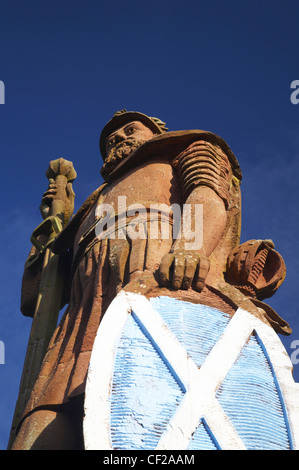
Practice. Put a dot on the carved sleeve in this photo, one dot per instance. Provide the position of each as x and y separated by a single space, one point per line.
204 164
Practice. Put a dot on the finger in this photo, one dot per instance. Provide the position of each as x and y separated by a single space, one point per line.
52 185
46 201
190 269
50 192
202 271
44 209
179 271
164 268
47 198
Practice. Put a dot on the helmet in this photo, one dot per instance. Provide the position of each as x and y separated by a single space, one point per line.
123 117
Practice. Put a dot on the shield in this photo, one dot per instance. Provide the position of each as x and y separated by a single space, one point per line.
170 374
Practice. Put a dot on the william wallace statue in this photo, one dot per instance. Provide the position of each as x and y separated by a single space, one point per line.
146 165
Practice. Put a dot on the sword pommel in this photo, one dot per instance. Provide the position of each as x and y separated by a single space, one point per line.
61 167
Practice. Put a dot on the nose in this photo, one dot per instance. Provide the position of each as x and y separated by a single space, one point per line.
120 136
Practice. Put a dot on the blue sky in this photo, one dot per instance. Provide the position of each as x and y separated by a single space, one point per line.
68 65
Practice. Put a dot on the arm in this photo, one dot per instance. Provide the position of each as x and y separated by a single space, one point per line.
204 172
34 263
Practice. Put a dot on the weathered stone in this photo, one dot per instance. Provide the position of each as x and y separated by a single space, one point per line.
146 167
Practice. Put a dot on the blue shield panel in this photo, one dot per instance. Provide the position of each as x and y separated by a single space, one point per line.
176 380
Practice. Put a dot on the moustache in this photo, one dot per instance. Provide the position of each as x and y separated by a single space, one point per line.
120 151
129 142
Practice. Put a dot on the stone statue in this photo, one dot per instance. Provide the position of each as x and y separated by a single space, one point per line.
154 183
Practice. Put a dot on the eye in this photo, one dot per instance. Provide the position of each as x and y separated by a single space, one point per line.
130 130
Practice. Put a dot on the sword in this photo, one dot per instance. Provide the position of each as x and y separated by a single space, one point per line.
50 290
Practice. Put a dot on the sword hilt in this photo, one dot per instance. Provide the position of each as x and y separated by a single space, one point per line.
62 172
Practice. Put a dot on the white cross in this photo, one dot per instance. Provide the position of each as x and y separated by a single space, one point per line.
201 384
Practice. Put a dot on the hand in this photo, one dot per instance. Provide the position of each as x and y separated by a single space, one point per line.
50 195
189 269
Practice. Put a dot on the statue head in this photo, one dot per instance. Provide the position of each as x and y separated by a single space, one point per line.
124 133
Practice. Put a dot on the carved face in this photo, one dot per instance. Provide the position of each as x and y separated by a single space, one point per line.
123 136
123 141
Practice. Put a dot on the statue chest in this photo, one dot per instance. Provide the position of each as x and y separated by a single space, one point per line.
155 182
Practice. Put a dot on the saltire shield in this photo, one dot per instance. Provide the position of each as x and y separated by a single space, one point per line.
167 374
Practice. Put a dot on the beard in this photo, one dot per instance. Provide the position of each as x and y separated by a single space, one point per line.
119 153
